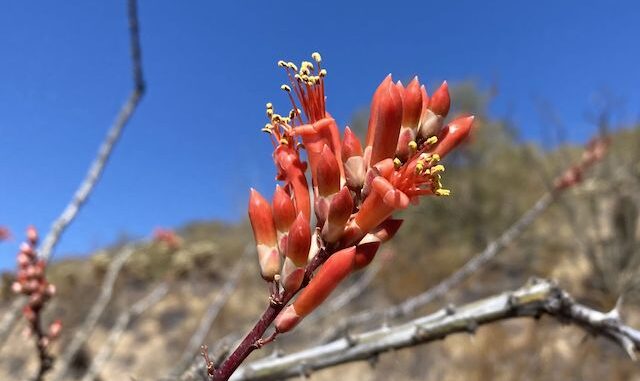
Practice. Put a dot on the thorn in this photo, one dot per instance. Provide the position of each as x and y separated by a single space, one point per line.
450 309
629 347
420 333
305 371
373 360
352 341
472 326
512 301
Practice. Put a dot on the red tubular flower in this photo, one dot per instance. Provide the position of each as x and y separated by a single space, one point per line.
354 168
334 270
339 212
411 110
452 135
365 252
299 241
328 173
264 232
284 213
385 121
315 137
434 112
291 170
356 191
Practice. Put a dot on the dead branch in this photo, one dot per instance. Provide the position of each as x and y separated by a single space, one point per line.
538 297
83 332
95 170
106 350
212 312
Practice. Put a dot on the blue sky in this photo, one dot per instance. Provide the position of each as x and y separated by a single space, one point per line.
194 146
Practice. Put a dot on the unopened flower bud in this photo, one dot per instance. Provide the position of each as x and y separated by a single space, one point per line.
328 173
264 232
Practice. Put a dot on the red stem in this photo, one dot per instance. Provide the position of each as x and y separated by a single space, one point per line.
248 344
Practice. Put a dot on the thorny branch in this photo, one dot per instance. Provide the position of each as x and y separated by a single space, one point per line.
538 297
83 332
95 170
106 350
212 312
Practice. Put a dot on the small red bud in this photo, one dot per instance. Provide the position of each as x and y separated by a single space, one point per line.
299 241
412 104
328 173
284 211
440 101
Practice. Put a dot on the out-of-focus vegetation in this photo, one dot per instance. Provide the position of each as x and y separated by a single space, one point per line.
589 241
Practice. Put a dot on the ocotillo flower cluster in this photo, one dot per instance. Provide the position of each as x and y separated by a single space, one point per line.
32 282
355 187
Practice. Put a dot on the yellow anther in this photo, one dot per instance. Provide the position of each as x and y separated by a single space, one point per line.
292 114
285 88
443 192
298 77
293 66
435 158
307 65
413 145
284 141
397 162
432 140
269 105
304 72
323 73
316 56
419 167
305 78
276 118
437 168
281 63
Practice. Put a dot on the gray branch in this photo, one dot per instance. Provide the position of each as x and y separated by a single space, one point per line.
83 332
95 170
459 276
210 315
106 148
539 297
106 350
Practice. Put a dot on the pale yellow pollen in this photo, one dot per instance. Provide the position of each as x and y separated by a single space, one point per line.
397 162
293 66
413 145
269 105
443 192
419 166
285 88
437 168
432 140
316 56
281 63
323 73
284 141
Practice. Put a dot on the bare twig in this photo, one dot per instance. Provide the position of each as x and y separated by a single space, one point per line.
83 332
95 170
468 269
212 312
539 297
106 350
97 167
